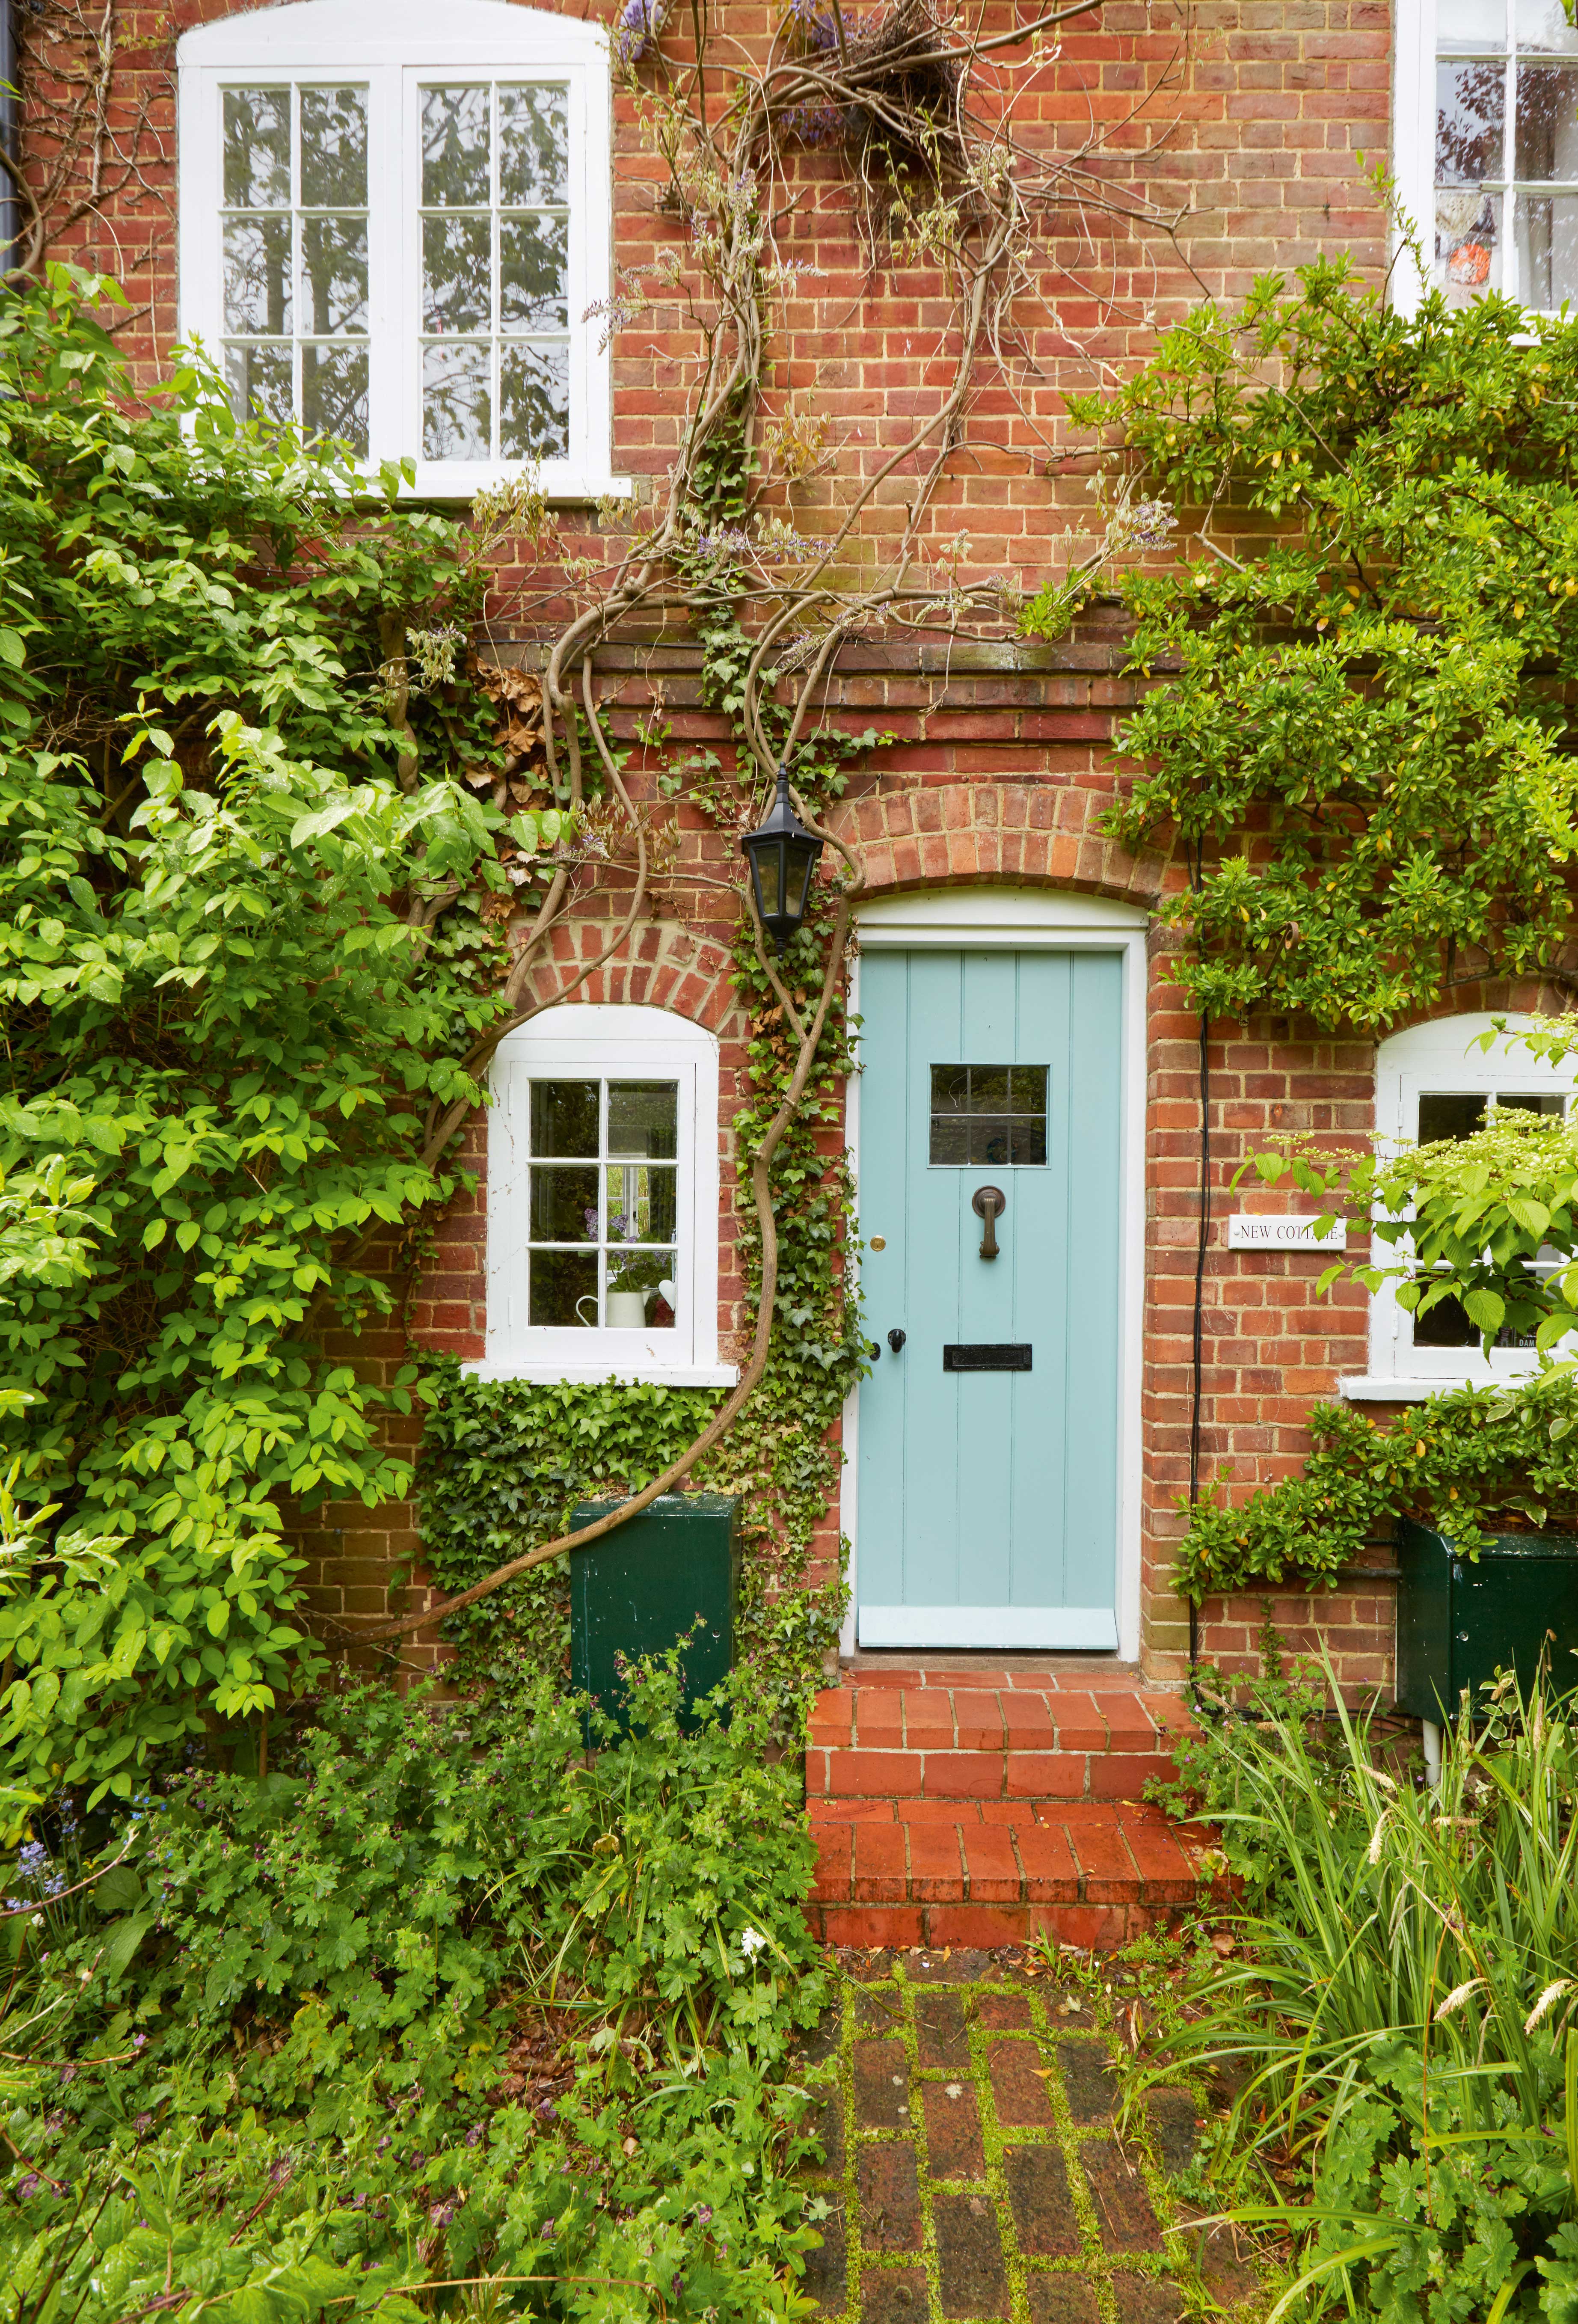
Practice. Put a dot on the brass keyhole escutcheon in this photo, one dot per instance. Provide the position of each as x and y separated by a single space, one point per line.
989 1202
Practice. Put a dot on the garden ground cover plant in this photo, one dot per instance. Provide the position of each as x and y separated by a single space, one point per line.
432 2003
1398 2006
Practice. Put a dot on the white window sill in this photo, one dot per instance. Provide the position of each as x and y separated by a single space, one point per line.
1412 1388
561 485
616 1370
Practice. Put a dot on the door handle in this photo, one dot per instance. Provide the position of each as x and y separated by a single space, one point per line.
989 1202
896 1340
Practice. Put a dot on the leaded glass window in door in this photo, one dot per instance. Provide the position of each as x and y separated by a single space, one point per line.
1507 151
495 227
294 257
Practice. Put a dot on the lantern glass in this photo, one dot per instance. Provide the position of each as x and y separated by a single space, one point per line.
799 861
767 865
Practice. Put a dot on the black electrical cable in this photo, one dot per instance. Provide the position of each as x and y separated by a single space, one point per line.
1197 1395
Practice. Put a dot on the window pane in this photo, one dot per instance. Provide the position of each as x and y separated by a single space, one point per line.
457 406
642 1118
1544 24
534 404
950 1139
1546 230
640 1204
1028 1140
257 276
334 393
1454 1114
989 1138
454 142
260 376
1548 1102
988 1089
257 148
564 1205
1468 255
457 294
534 146
1470 23
1445 1326
1471 110
1028 1089
564 1119
334 149
534 274
564 1288
1546 142
334 273
950 1089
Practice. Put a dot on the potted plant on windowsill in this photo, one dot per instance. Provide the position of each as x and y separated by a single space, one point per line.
632 1282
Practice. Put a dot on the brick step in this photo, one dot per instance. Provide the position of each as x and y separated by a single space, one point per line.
939 1734
1088 1874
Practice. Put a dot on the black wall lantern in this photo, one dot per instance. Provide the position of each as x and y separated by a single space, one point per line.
782 855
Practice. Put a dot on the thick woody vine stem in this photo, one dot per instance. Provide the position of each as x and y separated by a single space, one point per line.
739 1396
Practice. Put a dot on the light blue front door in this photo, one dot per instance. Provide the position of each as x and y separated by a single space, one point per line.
988 1441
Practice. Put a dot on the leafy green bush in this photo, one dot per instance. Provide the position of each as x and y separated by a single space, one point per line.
1403 2014
1366 637
1474 1461
434 2002
228 1003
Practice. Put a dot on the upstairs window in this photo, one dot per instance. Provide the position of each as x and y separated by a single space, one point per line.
391 222
1488 147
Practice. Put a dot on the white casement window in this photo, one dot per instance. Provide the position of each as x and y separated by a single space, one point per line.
602 1200
1431 1083
1487 147
394 219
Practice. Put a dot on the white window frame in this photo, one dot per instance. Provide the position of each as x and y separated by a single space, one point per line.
390 47
1439 1058
1414 151
590 1040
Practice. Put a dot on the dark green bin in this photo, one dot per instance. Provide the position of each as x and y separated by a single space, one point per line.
673 1569
1462 1619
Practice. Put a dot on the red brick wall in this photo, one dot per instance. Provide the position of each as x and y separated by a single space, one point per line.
1246 114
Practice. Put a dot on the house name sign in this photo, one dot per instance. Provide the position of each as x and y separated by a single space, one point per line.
1249 1231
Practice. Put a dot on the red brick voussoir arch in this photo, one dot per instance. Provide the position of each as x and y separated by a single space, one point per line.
661 965
1011 834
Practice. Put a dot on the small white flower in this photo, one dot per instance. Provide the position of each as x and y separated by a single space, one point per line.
751 1943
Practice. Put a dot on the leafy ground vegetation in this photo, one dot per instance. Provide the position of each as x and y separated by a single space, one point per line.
432 2004
1397 2006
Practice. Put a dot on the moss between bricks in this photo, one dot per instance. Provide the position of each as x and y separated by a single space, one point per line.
973 2166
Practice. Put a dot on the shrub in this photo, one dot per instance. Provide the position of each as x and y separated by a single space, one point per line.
434 2002
1404 2013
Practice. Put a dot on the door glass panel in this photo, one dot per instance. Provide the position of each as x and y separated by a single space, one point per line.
988 1114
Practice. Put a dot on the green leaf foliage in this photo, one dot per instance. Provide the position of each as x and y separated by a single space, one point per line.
1360 737
1470 1460
225 1021
437 1998
1398 2024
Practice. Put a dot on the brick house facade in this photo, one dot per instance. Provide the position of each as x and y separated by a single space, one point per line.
1246 117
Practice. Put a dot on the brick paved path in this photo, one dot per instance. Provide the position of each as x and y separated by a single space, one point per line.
972 2166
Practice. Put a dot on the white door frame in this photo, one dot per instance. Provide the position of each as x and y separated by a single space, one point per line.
1026 919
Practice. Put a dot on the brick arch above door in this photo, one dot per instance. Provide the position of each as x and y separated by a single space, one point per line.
981 834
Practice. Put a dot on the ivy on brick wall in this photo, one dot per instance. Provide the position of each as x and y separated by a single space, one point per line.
1472 1462
504 1463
